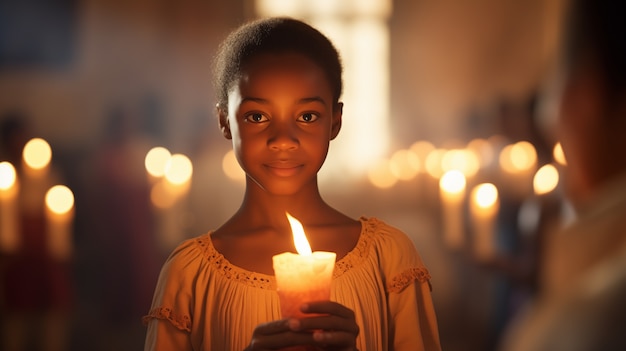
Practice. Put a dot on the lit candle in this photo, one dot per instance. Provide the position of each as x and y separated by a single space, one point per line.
170 175
302 277
60 215
9 238
545 180
484 208
36 156
452 192
518 161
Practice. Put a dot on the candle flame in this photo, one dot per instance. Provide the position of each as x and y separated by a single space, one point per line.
37 153
299 238
59 199
485 195
546 179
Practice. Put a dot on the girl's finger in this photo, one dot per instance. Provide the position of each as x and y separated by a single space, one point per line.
328 307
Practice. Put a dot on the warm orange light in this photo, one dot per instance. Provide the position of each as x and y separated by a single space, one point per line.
381 176
404 164
422 148
162 196
156 161
517 157
485 195
299 238
546 179
231 167
433 162
37 153
463 160
483 150
8 175
59 199
179 169
558 154
453 182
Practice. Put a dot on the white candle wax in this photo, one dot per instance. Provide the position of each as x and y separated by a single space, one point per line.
484 210
452 193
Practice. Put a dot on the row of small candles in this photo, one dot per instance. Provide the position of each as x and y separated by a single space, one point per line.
57 203
455 170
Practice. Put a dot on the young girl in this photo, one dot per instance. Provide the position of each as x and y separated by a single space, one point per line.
279 83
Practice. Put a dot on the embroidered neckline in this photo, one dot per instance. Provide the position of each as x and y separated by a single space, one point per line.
265 281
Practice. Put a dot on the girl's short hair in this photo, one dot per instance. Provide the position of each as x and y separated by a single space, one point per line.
274 35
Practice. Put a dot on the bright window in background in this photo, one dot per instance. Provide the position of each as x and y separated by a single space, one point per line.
360 32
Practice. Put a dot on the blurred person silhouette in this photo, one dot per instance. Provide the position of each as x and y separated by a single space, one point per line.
582 301
121 214
36 286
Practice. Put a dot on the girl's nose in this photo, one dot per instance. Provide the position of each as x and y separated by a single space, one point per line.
283 137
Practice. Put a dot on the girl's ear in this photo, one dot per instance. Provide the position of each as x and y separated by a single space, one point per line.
222 114
336 124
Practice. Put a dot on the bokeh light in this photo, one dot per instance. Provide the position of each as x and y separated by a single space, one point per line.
179 169
461 160
422 148
404 164
7 175
559 156
380 175
433 163
231 167
453 182
485 195
37 153
156 161
546 179
484 151
518 157
59 199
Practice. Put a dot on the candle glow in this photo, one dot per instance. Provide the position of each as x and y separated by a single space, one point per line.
302 277
8 175
484 209
37 153
299 239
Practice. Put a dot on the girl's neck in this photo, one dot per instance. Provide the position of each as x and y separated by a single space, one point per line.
260 206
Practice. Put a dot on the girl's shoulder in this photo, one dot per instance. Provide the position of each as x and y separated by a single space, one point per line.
190 252
397 256
198 257
384 233
390 243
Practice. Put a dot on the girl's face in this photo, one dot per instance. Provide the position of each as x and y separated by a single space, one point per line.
281 117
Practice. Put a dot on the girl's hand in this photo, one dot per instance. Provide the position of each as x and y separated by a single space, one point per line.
335 329
332 327
276 335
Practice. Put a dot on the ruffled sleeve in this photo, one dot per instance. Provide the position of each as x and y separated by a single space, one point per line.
169 318
413 322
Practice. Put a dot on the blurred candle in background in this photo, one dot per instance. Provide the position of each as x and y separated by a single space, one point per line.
37 155
9 238
546 179
452 194
36 159
484 208
155 162
171 176
519 163
60 215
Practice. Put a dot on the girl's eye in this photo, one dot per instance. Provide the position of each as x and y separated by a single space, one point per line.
308 117
256 118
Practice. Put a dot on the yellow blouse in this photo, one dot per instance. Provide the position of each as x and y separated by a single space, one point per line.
203 302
